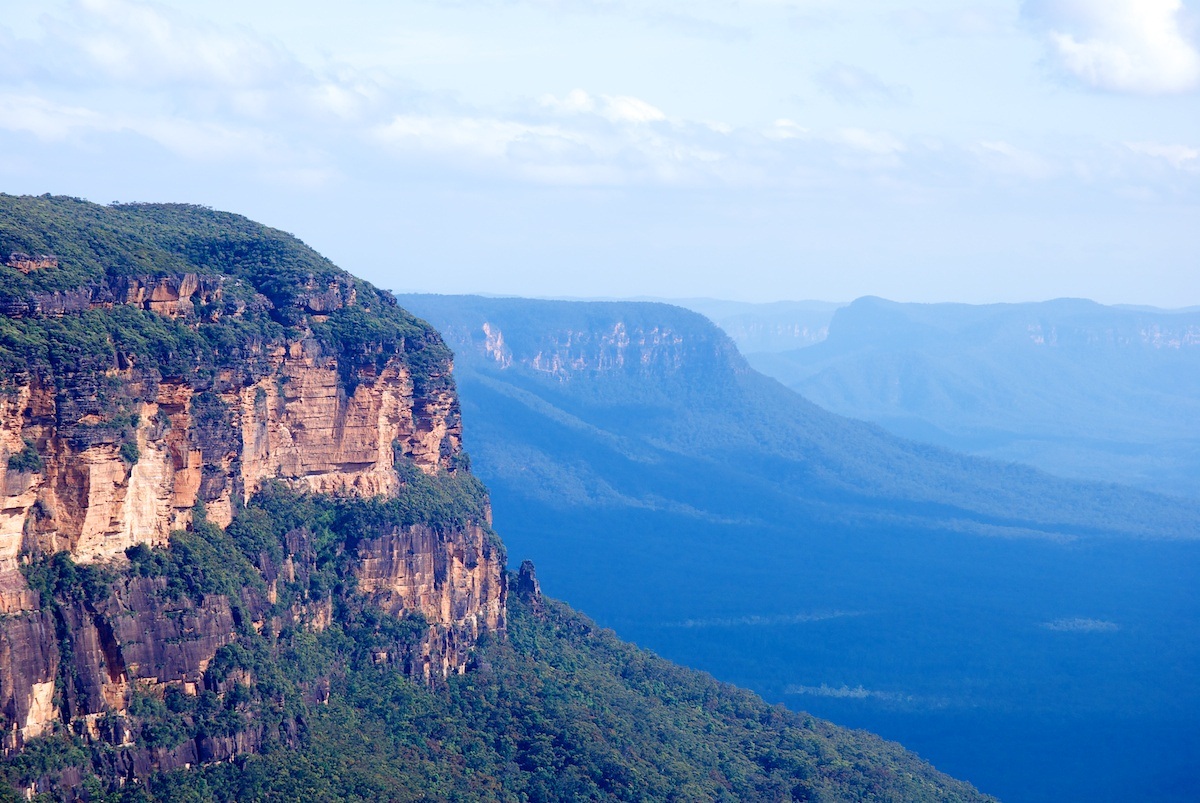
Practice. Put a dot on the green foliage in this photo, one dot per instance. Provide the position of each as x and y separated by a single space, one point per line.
27 460
561 711
129 452
334 526
199 562
58 577
265 276
41 757
163 725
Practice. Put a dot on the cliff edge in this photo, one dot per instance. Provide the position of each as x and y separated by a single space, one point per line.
162 360
242 557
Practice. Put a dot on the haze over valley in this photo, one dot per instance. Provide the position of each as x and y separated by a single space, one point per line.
1032 634
537 401
1073 387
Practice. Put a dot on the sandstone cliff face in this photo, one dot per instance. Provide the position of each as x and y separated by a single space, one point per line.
216 446
617 348
104 475
455 578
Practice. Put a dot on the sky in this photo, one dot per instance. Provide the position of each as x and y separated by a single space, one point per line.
755 150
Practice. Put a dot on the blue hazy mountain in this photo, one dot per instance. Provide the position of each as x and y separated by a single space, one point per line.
1070 386
769 327
1035 635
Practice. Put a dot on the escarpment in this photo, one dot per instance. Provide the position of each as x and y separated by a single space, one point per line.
243 557
105 480
164 376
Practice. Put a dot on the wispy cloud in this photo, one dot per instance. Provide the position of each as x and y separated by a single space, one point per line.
1006 159
844 692
208 92
881 143
157 53
1181 157
48 120
889 699
698 27
958 22
850 84
149 44
578 138
1135 46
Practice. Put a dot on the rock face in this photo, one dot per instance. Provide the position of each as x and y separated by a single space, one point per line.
97 494
218 444
457 579
27 263
105 449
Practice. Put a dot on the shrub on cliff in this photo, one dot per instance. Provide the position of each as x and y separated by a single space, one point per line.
27 460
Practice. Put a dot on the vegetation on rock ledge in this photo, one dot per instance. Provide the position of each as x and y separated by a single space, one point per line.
272 288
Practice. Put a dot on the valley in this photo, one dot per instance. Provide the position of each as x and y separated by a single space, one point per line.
983 613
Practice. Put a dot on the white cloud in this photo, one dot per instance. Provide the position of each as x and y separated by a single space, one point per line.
150 53
956 22
845 692
469 136
1180 157
215 93
784 129
766 621
148 44
1136 46
574 102
1081 625
880 143
46 119
1005 158
203 141
614 108
625 109
600 143
687 25
209 141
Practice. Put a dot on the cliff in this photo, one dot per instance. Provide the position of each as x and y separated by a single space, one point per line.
163 360
244 557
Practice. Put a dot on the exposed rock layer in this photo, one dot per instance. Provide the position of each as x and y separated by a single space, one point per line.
103 476
218 445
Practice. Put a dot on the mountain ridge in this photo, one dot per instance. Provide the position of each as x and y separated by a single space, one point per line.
1070 386
728 376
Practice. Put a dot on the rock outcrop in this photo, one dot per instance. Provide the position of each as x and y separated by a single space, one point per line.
119 441
27 263
457 580
185 443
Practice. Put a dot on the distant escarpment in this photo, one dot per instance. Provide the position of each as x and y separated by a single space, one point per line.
165 373
653 407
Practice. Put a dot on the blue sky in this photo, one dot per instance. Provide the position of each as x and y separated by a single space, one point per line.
754 150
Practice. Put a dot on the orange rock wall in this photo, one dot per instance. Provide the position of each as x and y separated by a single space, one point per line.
297 425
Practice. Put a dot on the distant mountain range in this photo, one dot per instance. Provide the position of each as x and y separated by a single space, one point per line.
1070 386
656 386
771 327
976 610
